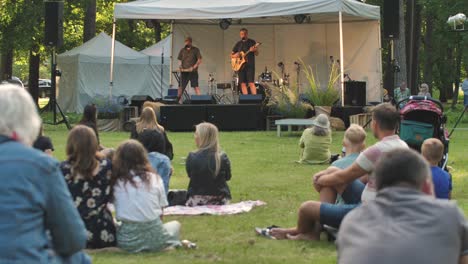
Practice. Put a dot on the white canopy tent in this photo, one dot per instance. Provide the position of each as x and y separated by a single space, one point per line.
84 67
347 30
160 65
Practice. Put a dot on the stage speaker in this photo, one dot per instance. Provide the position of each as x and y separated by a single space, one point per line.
235 117
139 100
53 35
202 99
391 19
345 112
355 93
250 99
182 117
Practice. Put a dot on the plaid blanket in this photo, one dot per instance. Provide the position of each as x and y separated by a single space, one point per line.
229 209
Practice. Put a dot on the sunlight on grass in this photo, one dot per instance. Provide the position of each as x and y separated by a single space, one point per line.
263 168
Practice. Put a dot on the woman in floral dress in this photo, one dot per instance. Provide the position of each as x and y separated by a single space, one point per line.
88 178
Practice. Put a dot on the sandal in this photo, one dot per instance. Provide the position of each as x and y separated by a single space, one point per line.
265 232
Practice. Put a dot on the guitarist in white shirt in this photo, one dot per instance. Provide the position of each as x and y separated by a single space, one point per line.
247 72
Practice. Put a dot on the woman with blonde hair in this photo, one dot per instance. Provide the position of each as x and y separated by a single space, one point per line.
88 176
148 120
208 168
315 142
139 199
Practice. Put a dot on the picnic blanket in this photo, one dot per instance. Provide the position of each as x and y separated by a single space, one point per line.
229 209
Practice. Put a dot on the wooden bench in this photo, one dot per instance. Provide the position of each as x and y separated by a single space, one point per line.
291 122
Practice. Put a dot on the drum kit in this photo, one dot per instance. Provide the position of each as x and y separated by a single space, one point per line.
263 84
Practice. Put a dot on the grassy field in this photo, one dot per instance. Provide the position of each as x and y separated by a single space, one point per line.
263 168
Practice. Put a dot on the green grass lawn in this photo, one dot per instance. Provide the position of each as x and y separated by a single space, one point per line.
263 168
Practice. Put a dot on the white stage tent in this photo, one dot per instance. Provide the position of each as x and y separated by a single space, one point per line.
160 64
85 72
348 30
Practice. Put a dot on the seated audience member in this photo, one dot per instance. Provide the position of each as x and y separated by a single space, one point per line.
326 211
405 224
88 176
385 119
89 119
154 143
433 151
139 199
148 120
38 220
44 143
401 93
424 90
312 215
315 142
208 168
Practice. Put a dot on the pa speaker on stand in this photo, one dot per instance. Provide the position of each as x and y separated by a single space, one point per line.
53 36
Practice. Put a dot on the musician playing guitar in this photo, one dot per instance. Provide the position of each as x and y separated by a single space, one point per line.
189 60
247 72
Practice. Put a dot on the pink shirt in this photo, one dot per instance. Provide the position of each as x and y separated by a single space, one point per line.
369 158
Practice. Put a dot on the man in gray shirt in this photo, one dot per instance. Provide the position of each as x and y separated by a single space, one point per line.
189 60
405 224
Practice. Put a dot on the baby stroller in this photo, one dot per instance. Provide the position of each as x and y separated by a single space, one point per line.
423 118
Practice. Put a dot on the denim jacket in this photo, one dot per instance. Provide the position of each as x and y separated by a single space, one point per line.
38 220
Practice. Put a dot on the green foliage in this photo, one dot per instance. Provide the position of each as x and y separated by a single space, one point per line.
316 94
286 102
107 108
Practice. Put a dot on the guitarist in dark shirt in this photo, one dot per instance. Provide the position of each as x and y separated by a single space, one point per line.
247 73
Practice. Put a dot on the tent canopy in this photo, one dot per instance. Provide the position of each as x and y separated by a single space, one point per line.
97 50
346 30
158 50
248 11
85 68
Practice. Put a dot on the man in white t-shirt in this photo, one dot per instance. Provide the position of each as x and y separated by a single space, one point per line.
385 119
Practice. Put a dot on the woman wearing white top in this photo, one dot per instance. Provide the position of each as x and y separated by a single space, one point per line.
139 198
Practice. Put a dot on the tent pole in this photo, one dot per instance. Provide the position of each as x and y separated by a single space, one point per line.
170 56
340 18
111 84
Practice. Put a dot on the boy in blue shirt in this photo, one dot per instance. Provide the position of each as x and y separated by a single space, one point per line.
433 151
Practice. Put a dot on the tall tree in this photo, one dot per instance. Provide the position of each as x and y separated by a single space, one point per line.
428 48
400 47
89 29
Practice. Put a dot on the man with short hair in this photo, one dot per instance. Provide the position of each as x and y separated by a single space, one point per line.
313 214
405 224
39 222
247 73
385 119
189 60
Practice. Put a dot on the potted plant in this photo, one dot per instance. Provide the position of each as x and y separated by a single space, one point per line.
109 113
322 97
285 101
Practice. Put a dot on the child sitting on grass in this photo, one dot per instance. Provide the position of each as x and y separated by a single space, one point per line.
139 199
433 151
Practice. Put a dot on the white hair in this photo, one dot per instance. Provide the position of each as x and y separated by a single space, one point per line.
18 114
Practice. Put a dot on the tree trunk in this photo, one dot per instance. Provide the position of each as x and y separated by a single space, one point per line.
89 30
428 50
7 65
413 38
400 48
457 72
157 30
33 82
445 67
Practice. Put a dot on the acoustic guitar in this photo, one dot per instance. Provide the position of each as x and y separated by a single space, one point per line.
239 62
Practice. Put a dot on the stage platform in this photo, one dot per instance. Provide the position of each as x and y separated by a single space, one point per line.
230 117
235 117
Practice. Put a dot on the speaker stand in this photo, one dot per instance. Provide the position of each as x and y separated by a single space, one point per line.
53 97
